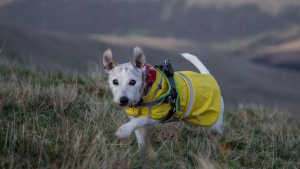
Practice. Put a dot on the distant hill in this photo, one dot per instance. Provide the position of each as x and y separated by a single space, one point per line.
246 29
198 20
276 48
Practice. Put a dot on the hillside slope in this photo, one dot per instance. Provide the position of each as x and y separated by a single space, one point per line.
62 121
239 80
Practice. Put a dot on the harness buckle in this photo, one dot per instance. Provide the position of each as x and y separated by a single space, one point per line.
168 99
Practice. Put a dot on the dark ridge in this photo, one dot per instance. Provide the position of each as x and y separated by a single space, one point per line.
267 60
288 65
264 60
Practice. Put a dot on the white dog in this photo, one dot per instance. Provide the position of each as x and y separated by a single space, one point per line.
150 95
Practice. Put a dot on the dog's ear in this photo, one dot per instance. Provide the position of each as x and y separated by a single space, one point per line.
108 61
139 59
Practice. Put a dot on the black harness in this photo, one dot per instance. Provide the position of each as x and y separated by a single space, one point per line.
171 97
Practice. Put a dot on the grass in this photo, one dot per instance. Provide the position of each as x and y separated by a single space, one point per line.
60 121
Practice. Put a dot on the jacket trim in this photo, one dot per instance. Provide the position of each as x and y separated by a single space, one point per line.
191 96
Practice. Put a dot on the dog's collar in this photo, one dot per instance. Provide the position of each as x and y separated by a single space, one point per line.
150 74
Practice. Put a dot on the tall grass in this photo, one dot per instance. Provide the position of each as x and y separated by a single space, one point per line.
60 121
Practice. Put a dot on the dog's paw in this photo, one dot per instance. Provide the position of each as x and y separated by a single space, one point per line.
141 143
124 131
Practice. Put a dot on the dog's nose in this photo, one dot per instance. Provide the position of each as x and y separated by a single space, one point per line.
124 100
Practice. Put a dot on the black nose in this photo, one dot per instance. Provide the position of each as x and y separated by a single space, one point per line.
124 100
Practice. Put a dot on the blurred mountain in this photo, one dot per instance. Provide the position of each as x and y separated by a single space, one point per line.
200 20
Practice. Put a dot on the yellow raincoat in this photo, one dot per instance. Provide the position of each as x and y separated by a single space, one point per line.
200 99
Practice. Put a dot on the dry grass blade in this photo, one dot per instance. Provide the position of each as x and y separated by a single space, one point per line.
243 112
2 48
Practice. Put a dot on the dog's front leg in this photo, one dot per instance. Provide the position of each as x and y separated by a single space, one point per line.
141 134
126 129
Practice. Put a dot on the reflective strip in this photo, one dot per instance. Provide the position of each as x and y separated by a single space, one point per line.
192 95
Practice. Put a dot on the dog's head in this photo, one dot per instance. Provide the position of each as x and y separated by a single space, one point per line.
126 80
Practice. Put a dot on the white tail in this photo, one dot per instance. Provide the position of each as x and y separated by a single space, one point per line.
196 62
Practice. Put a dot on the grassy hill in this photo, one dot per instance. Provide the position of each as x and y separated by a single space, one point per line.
61 121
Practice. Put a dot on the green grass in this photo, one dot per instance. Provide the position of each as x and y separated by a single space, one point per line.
60 121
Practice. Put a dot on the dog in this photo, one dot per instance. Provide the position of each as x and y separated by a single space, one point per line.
199 97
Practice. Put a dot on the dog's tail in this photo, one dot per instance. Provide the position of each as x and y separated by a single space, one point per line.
195 61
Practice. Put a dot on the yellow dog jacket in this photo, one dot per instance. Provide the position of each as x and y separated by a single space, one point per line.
200 99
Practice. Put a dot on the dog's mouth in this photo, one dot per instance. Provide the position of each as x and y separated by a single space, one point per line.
129 104
123 105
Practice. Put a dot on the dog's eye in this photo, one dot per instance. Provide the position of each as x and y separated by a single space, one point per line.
115 82
132 82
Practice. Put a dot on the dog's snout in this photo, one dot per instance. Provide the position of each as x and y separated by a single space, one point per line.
124 100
